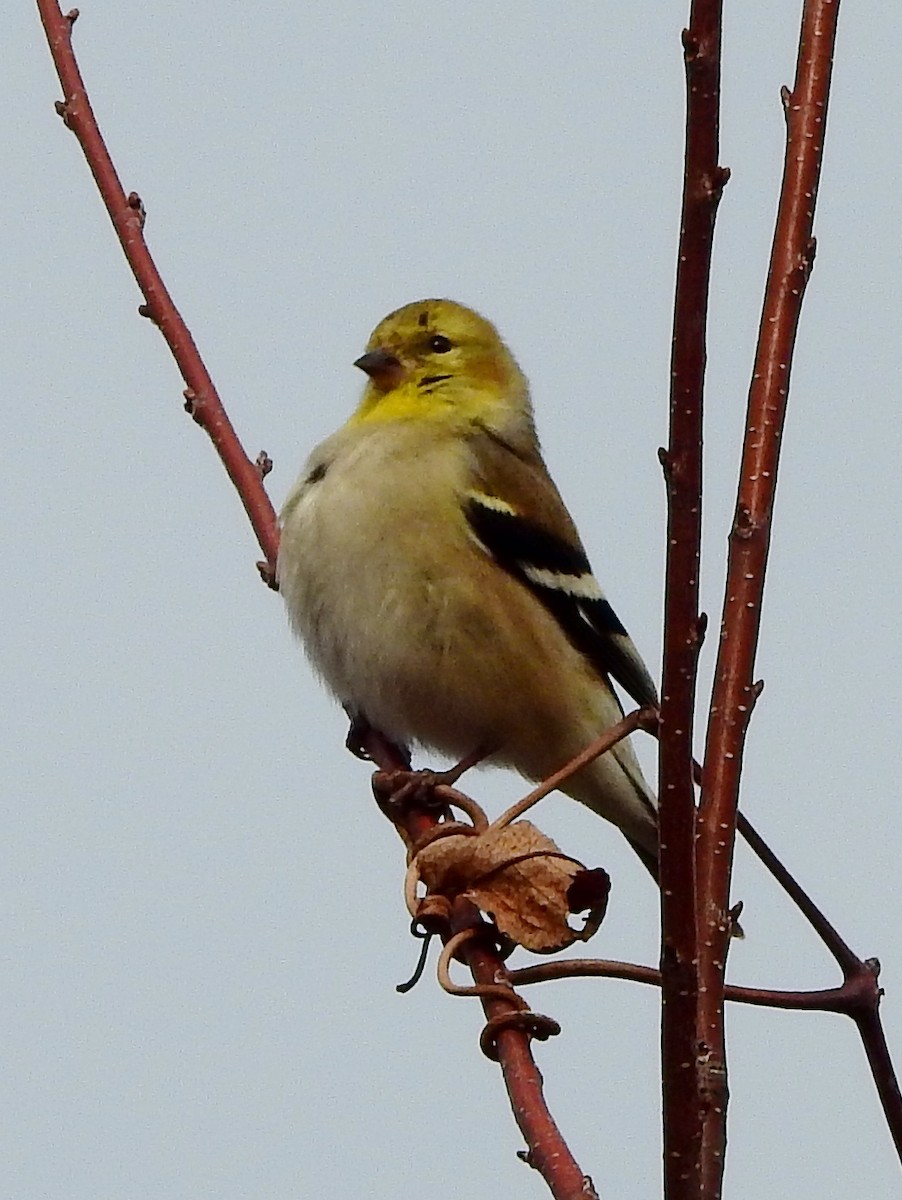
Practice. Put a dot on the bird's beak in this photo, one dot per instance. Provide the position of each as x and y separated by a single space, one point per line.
385 370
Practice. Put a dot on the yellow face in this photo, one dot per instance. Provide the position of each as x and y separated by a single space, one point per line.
433 354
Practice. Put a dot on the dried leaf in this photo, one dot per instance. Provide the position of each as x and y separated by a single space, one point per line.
522 879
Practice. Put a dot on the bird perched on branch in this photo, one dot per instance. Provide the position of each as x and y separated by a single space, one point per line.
438 582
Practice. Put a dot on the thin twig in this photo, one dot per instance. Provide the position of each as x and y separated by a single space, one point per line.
846 958
790 265
703 182
127 214
860 983
870 1029
641 718
843 999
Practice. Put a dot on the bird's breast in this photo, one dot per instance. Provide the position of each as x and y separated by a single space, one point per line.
369 555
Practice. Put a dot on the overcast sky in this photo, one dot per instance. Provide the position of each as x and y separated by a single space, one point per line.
203 923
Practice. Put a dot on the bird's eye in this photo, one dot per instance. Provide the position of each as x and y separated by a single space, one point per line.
439 344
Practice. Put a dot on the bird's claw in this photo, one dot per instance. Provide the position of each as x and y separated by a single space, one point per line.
356 738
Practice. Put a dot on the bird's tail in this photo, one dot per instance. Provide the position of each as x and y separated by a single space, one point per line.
648 860
614 787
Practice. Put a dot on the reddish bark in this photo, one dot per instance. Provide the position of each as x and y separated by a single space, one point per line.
703 181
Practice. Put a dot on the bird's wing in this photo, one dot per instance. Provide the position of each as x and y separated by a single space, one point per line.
517 516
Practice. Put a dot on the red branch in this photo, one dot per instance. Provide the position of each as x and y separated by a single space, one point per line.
547 1151
703 182
127 214
734 689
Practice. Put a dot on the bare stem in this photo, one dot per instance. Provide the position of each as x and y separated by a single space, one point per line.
546 1149
641 718
860 988
703 182
127 214
734 688
870 1030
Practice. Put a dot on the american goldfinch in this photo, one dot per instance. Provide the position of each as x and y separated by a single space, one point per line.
438 582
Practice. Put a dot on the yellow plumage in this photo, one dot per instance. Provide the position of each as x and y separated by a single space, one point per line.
437 580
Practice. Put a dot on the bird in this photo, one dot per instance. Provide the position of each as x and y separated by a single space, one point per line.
438 583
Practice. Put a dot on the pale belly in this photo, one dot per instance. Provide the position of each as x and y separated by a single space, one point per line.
389 595
413 626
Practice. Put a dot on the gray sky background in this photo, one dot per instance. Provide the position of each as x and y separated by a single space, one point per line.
203 923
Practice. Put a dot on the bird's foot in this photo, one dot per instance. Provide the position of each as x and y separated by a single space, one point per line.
399 788
396 788
450 777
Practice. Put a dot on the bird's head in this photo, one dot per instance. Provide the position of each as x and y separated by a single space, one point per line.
437 360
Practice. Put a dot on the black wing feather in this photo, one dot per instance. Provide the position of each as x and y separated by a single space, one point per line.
558 573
